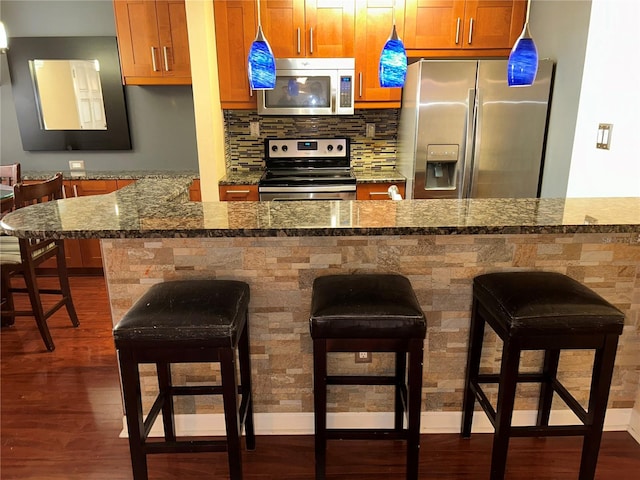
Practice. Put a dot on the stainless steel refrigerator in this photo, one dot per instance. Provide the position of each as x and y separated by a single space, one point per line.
464 133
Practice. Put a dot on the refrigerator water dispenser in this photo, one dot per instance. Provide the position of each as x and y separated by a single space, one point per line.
440 168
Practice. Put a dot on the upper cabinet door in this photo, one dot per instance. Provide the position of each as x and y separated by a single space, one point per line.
434 23
138 41
461 27
330 28
312 28
174 39
153 42
492 23
236 25
374 19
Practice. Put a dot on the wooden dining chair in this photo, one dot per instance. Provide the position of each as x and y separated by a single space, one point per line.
30 253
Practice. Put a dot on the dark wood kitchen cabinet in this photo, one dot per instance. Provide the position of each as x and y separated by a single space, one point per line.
153 42
373 27
236 26
309 28
195 194
462 27
230 193
377 191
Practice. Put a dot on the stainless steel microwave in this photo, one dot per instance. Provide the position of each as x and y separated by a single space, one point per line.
310 86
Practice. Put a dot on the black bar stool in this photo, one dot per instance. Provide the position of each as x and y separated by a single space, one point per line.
540 311
183 322
368 313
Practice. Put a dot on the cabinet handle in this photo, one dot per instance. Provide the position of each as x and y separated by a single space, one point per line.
298 40
166 59
458 31
360 76
250 91
386 194
470 30
153 59
243 192
311 41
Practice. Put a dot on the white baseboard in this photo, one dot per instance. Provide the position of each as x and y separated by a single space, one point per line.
634 425
617 419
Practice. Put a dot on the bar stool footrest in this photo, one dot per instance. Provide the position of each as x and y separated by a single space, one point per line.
184 446
360 380
366 434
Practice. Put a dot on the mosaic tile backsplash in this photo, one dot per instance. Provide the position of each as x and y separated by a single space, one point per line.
244 152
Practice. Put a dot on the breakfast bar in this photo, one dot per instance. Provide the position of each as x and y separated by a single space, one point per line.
150 232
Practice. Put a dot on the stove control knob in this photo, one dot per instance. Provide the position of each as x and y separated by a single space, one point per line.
284 148
330 148
340 147
274 148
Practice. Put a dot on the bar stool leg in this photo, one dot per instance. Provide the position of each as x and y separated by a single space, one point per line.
476 334
231 417
164 383
504 410
247 392
401 389
320 405
416 356
603 364
133 411
549 373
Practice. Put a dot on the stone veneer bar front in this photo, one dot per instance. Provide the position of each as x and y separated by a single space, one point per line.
151 233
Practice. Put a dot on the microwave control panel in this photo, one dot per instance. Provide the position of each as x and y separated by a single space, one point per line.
346 91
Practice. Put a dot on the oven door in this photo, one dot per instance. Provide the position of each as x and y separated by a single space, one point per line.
284 194
308 92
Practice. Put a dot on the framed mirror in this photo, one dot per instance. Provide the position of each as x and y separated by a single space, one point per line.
68 93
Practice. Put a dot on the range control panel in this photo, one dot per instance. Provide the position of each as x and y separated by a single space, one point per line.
306 147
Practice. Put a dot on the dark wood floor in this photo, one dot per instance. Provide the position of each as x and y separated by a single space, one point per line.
61 416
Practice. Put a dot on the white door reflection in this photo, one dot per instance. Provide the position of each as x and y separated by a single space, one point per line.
68 94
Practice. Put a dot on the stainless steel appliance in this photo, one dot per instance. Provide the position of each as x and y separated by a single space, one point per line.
310 86
307 169
464 133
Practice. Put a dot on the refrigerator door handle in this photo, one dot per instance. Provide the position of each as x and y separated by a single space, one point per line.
475 163
470 126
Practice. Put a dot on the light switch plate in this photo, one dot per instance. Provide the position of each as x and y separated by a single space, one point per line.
604 136
76 164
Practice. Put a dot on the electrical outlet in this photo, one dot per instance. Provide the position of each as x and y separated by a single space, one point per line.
76 164
363 357
371 130
254 129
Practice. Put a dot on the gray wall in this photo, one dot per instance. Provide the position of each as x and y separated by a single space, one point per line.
161 118
559 29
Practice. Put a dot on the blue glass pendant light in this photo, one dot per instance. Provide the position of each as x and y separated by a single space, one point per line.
523 60
392 71
261 63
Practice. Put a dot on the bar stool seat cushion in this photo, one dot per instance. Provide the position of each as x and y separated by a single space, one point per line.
208 313
525 303
365 306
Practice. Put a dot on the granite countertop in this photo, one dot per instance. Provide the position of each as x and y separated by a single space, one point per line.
159 207
109 175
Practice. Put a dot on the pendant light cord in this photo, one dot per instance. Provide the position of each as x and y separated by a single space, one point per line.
393 13
259 23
